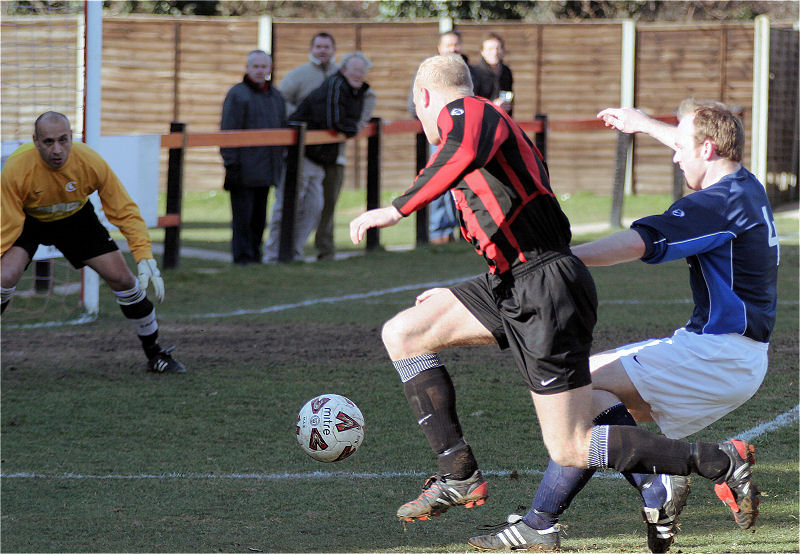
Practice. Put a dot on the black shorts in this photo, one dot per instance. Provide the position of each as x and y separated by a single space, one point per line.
79 236
544 311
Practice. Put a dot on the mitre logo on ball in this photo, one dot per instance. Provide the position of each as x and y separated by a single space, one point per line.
330 428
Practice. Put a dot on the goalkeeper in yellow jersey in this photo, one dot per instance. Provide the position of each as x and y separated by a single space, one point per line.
45 200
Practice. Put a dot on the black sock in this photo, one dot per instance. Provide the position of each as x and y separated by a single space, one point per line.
457 462
639 451
432 398
150 345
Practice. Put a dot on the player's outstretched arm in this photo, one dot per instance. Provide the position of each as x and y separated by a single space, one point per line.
623 246
630 120
380 217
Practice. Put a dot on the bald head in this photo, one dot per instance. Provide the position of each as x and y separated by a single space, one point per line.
446 73
50 118
53 138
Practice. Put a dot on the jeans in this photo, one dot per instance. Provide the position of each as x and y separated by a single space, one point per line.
331 186
307 211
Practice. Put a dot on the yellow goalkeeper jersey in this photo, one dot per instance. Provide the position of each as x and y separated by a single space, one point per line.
30 186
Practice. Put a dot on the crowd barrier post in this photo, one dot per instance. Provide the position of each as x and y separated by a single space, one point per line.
540 137
422 149
172 233
677 182
623 142
294 172
374 179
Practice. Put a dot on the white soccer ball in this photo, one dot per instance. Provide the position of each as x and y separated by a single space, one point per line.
330 428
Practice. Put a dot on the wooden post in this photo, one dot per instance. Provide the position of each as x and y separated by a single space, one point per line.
677 182
423 236
43 275
620 170
540 139
374 179
294 171
172 234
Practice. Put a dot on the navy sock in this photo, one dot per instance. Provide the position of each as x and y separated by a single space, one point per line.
561 484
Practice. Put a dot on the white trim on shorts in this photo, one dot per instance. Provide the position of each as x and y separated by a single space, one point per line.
691 380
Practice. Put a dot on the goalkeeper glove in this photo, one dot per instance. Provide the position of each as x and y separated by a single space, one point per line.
148 273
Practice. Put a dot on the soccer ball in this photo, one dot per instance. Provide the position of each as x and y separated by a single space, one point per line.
330 428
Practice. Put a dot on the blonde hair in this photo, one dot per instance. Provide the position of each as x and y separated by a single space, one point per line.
447 71
716 122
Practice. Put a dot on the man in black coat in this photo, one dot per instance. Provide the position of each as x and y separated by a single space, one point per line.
251 170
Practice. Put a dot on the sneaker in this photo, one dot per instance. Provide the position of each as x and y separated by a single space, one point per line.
738 490
163 362
516 536
440 493
662 523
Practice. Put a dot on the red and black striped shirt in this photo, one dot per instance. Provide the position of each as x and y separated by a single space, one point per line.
499 182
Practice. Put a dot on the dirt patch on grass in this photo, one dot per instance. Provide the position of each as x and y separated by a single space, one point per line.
109 347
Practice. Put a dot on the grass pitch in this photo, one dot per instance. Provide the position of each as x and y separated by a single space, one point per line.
98 455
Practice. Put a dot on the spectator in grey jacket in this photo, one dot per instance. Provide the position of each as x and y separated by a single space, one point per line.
337 104
295 86
251 170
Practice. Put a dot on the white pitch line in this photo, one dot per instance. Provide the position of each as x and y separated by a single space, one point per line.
405 288
333 299
355 296
780 421
85 318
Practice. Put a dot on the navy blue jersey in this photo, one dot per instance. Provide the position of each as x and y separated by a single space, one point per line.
499 182
727 234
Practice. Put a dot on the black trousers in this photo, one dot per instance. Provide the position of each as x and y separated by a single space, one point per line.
249 218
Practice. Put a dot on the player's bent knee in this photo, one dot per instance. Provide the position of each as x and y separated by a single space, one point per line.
567 456
12 266
120 281
393 335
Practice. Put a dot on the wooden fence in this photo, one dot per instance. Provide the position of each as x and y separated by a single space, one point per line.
162 69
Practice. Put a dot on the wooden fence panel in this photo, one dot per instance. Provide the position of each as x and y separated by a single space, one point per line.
674 63
39 72
580 76
212 58
391 75
159 69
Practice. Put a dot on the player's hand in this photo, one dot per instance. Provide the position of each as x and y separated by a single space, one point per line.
380 217
627 120
149 273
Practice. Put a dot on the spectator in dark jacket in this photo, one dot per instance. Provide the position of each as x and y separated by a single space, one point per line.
492 79
251 170
337 104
